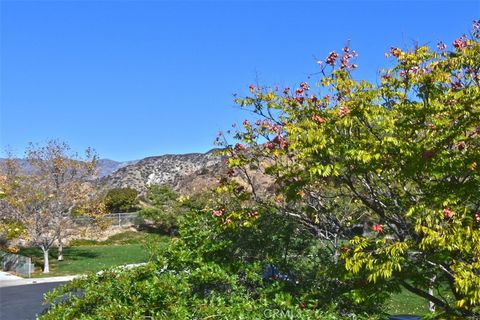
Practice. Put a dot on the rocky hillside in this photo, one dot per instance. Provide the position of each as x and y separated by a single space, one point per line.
184 172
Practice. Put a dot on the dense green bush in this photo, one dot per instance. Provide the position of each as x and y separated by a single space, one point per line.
149 293
217 269
121 200
165 207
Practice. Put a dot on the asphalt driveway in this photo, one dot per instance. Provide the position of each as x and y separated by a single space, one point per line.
23 302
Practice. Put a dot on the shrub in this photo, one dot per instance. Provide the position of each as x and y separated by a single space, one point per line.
121 200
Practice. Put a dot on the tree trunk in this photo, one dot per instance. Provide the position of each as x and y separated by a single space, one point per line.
46 265
424 295
335 250
60 251
431 305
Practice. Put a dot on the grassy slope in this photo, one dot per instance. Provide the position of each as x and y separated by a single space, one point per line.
120 249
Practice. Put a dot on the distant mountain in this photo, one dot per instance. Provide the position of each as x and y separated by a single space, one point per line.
105 166
22 164
184 172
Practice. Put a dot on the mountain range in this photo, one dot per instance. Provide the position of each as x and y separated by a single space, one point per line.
186 173
105 166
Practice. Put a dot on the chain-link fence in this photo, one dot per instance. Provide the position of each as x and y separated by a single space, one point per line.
16 263
122 219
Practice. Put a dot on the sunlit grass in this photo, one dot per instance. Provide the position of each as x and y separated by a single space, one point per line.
120 249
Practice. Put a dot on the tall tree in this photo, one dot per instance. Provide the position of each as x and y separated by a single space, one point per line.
403 153
44 199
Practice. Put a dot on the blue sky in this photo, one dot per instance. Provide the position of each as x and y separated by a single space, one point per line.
134 79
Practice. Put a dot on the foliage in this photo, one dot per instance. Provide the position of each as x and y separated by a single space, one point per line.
164 207
121 200
213 271
400 156
42 201
9 230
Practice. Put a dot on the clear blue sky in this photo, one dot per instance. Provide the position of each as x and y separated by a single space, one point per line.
134 79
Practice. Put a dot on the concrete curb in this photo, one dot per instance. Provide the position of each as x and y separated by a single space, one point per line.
17 281
22 282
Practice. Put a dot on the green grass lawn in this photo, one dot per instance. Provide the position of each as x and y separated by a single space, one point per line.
406 302
120 249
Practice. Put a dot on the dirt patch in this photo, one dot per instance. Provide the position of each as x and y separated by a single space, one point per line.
101 235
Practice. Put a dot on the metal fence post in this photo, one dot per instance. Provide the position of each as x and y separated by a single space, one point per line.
29 266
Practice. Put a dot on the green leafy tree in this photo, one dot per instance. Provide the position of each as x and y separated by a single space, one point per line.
121 200
401 155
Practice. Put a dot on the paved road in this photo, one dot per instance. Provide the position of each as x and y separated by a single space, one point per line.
23 302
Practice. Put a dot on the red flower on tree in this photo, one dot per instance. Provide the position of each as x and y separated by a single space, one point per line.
448 213
395 52
269 145
252 214
318 119
239 147
304 86
331 58
377 227
460 43
344 111
218 213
